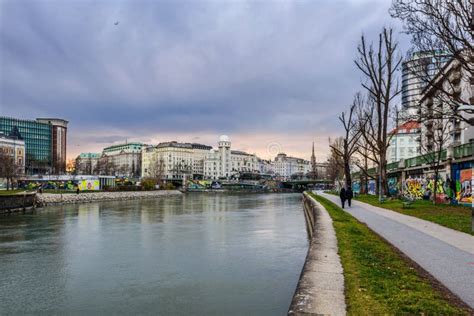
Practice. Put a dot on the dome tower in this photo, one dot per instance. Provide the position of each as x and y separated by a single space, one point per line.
224 150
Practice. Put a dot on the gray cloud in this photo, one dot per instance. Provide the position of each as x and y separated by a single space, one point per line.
183 66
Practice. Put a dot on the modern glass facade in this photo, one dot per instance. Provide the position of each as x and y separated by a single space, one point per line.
39 142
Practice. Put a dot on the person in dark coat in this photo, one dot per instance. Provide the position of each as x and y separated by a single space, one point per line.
349 195
343 195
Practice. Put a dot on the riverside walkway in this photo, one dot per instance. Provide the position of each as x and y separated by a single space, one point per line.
446 254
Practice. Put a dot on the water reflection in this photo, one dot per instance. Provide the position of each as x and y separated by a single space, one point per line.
192 254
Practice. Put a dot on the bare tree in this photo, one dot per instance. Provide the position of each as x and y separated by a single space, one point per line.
379 65
433 142
123 170
363 159
106 166
444 25
335 169
349 140
367 144
9 169
156 169
441 26
84 166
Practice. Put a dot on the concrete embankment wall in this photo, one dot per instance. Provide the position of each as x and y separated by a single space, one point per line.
320 290
48 199
16 202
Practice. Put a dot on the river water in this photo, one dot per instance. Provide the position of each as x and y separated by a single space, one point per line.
195 254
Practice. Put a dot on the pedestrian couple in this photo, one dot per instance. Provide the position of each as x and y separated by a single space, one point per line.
346 194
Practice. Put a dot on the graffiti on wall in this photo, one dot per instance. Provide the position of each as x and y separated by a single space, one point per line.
393 186
356 186
372 187
424 186
464 186
89 185
414 188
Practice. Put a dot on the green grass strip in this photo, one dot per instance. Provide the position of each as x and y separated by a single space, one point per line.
457 217
378 279
12 192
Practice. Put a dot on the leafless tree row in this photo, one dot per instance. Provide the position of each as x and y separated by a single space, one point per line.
366 126
439 29
442 28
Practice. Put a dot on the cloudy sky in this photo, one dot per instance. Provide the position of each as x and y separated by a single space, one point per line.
273 75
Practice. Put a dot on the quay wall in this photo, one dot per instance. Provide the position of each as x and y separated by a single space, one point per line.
320 289
17 202
71 198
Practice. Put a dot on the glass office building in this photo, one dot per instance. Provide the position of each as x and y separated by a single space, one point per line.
41 145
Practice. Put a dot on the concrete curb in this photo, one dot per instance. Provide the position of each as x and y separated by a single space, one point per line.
320 290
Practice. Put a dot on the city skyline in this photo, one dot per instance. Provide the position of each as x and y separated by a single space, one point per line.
186 71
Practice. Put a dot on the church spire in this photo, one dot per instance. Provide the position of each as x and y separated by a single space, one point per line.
313 164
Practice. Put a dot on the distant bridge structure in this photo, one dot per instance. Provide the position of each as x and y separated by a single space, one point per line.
304 184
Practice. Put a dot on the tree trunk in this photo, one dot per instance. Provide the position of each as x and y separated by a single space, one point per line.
435 182
383 174
347 173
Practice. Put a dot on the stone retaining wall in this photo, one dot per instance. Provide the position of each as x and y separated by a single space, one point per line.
16 202
320 290
49 198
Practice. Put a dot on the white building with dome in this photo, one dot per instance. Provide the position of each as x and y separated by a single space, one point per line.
197 161
227 163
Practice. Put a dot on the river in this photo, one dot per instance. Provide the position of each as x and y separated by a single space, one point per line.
195 254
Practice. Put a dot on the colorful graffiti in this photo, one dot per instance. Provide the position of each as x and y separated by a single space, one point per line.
89 185
356 187
464 186
372 187
393 186
414 188
48 185
423 187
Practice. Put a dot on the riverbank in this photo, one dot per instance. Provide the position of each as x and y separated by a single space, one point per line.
49 198
379 278
320 290
15 201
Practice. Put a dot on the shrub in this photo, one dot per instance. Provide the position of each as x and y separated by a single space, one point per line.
169 186
148 184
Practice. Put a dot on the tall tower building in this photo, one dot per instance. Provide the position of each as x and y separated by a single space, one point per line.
224 153
58 142
416 72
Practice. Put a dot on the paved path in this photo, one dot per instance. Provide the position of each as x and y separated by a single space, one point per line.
445 253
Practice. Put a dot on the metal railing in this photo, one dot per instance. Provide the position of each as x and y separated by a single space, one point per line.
465 150
461 151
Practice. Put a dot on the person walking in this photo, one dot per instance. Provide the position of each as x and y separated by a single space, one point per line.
349 195
342 195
